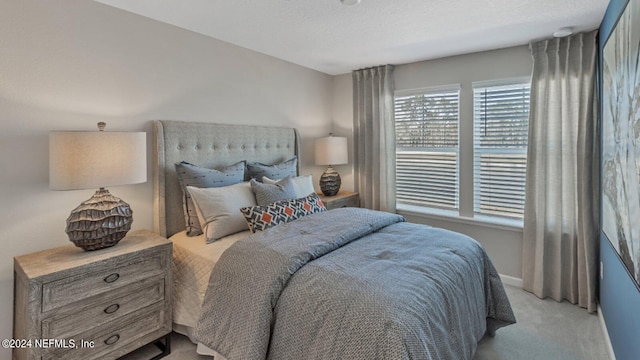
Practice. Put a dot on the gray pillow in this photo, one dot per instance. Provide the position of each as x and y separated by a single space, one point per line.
303 185
275 171
218 209
270 193
199 177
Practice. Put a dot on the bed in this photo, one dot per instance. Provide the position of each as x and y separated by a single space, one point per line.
359 288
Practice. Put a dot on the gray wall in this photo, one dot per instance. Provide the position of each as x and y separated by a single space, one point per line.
503 243
70 66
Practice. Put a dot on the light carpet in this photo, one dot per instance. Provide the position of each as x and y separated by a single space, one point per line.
545 330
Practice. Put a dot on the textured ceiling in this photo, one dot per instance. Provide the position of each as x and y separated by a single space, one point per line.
330 37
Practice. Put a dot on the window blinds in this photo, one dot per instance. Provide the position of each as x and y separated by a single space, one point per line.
427 148
501 121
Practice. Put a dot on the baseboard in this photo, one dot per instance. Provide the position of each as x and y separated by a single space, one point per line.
607 340
510 280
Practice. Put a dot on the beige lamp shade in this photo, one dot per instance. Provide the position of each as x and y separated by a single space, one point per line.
96 159
331 150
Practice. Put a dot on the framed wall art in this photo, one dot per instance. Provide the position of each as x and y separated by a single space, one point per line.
621 139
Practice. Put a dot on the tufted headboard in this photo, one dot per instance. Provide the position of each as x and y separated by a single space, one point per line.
208 145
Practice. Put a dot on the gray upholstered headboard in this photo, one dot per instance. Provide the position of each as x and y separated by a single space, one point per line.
208 145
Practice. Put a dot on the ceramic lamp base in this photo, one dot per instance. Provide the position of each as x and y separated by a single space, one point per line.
99 222
330 182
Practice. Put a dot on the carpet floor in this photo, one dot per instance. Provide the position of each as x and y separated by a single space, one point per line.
546 330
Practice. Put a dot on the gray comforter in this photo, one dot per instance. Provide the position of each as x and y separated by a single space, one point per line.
352 284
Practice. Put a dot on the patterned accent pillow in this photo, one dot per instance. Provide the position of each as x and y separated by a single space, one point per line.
280 212
275 171
199 177
269 193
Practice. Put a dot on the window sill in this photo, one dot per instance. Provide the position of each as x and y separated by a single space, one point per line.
453 216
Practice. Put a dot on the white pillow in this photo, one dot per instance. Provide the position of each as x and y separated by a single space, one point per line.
219 208
302 185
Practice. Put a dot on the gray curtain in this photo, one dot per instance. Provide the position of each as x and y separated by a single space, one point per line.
561 210
374 138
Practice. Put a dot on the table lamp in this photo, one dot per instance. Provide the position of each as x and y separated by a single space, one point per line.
96 159
331 150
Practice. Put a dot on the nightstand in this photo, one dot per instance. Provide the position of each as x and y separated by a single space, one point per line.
94 304
342 199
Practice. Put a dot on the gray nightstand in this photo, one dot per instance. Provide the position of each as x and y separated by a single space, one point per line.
342 199
99 304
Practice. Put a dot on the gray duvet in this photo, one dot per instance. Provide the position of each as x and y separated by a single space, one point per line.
352 284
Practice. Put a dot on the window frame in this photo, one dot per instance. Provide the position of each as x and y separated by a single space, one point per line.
465 213
477 206
434 90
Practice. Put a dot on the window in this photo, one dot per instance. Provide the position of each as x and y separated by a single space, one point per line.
501 121
482 179
427 147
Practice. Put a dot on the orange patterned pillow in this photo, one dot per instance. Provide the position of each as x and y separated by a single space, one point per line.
280 212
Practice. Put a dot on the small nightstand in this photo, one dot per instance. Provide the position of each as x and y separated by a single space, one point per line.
342 199
96 304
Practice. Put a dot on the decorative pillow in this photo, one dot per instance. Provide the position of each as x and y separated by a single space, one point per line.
195 176
280 212
217 208
269 193
275 171
303 185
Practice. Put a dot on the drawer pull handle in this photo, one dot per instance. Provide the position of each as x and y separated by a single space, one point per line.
112 308
112 339
111 278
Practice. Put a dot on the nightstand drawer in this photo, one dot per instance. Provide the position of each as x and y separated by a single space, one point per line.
105 278
342 199
113 337
96 313
351 201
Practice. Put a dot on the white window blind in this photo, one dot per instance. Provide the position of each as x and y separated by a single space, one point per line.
501 122
427 147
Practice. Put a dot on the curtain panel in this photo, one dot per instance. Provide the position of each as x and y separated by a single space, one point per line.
374 138
561 209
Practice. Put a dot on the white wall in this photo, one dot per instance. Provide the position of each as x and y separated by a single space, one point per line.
342 110
504 244
66 67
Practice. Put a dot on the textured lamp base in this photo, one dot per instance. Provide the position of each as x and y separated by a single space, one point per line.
99 222
330 182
